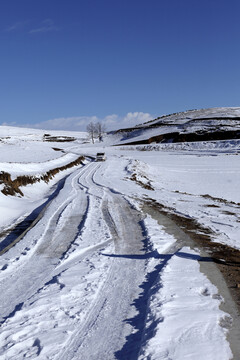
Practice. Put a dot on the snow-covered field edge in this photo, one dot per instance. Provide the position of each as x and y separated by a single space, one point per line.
183 315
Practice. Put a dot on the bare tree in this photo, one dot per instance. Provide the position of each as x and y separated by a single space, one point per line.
91 129
100 130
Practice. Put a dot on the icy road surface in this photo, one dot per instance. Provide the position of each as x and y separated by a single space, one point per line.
83 220
96 279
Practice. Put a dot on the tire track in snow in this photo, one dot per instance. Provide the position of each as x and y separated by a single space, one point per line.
18 285
110 310
106 327
63 226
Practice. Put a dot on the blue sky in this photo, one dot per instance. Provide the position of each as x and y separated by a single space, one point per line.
64 63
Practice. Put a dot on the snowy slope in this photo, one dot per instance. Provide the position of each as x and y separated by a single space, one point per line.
175 127
29 145
26 152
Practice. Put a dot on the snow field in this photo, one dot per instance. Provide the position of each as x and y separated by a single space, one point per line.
72 287
187 185
183 319
21 145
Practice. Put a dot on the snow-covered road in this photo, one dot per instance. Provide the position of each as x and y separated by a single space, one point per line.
83 219
96 278
104 330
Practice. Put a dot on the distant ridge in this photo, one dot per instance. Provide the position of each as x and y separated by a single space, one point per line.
193 125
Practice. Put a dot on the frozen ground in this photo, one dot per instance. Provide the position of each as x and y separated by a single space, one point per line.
97 277
200 185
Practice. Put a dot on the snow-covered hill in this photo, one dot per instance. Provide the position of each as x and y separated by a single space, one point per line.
192 125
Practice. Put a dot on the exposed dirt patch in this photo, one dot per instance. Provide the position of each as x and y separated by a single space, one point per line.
177 137
182 192
138 176
207 196
146 185
211 198
12 187
230 213
48 137
211 206
57 149
226 258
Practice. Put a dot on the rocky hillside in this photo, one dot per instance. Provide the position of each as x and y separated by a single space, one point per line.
188 126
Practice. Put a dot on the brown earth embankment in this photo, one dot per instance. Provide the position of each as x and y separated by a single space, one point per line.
12 187
176 137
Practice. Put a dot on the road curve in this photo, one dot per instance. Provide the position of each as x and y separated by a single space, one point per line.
38 258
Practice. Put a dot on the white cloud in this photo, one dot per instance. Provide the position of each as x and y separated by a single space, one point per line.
75 123
136 118
79 123
27 26
114 121
13 123
111 119
16 26
46 26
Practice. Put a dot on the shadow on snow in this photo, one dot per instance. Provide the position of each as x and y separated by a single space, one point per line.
134 342
29 220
